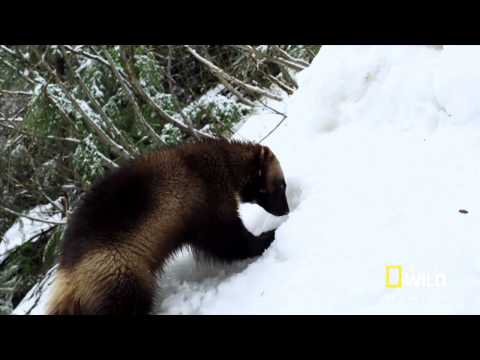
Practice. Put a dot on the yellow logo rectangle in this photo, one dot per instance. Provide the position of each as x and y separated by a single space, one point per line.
389 269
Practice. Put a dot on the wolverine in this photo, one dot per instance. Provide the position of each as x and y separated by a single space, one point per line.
133 219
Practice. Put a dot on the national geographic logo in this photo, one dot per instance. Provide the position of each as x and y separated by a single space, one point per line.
397 278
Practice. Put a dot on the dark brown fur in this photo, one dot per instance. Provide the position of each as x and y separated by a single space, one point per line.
132 220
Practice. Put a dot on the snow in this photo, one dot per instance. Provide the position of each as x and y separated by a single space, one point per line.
25 229
36 300
380 150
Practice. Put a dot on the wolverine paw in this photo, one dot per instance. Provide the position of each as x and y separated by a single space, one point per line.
257 245
267 238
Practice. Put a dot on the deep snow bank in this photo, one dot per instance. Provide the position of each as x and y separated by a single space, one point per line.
380 150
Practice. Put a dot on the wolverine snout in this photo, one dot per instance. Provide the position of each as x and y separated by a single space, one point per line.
284 210
280 208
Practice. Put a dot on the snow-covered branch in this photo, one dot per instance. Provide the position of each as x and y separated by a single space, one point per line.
299 62
110 126
109 163
142 93
16 92
289 90
102 135
227 77
138 114
86 54
284 64
12 212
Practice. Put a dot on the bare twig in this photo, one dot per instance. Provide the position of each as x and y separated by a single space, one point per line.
272 109
310 52
106 140
280 83
220 73
97 57
237 93
261 57
8 50
291 59
50 137
12 212
287 63
275 128
18 71
139 89
109 163
287 77
138 114
171 83
232 89
284 116
87 55
52 202
39 185
97 52
106 119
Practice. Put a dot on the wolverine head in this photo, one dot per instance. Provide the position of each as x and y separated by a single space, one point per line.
267 185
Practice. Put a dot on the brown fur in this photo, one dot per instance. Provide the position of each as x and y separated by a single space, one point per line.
132 220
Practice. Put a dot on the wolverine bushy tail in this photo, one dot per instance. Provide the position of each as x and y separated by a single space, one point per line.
119 295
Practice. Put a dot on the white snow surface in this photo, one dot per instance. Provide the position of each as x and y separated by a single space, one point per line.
36 300
381 149
24 229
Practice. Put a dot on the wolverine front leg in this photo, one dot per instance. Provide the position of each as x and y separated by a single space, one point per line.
232 241
261 242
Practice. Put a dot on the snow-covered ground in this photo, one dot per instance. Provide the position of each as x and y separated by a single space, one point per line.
381 149
24 229
28 230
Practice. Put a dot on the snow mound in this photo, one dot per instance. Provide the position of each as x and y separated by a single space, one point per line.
380 150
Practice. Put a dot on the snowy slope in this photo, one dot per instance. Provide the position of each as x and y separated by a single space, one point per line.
24 229
381 150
